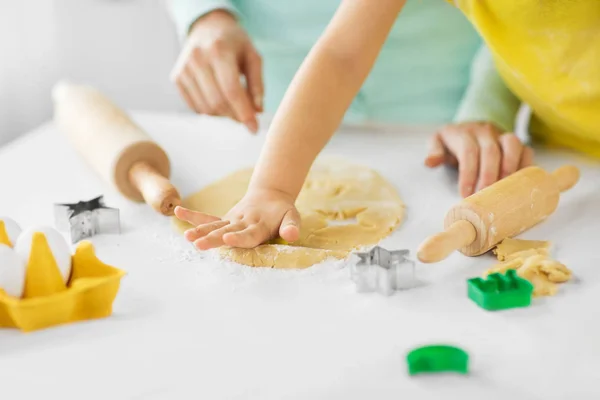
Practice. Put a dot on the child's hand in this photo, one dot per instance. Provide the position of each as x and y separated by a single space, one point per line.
207 73
483 153
258 217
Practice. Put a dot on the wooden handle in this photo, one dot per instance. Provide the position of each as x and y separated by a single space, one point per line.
437 247
566 177
119 150
158 192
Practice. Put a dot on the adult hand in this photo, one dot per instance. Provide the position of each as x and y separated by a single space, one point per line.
261 215
483 153
208 72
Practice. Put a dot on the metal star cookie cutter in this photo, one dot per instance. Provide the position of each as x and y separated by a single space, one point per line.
86 218
383 271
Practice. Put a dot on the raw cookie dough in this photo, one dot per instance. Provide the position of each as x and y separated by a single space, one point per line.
526 253
510 246
536 266
281 256
334 190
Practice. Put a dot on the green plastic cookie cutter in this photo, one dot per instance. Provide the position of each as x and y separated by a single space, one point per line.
437 358
500 291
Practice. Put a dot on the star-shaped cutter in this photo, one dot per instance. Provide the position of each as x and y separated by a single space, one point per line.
86 218
383 271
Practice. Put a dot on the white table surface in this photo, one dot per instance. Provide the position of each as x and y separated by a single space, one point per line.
186 326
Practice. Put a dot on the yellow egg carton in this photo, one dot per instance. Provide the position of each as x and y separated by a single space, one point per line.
47 301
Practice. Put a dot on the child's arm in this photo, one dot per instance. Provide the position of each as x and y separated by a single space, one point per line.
321 92
309 114
480 141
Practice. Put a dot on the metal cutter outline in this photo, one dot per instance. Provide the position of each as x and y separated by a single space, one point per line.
383 271
86 218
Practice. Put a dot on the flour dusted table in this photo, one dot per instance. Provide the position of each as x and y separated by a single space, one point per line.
188 327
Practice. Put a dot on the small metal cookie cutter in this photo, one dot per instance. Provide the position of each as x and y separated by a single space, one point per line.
86 218
383 271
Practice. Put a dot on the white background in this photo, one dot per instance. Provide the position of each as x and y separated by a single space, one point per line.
124 47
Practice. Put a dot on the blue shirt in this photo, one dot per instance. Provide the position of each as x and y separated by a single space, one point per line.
421 75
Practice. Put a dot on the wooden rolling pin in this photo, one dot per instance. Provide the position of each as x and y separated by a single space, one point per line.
502 210
116 148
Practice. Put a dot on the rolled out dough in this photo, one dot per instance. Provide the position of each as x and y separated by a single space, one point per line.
335 190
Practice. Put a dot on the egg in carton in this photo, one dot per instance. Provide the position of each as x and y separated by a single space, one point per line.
42 284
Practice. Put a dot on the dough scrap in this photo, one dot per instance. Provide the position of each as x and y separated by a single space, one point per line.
504 266
541 270
510 246
526 254
335 190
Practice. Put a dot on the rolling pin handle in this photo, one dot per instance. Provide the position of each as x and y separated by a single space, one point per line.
566 177
157 191
437 247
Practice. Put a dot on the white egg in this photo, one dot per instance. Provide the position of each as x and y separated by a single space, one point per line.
12 271
58 245
13 230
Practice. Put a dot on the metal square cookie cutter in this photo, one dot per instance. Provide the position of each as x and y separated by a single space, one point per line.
86 218
383 271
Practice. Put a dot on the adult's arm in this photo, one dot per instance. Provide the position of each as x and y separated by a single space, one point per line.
185 12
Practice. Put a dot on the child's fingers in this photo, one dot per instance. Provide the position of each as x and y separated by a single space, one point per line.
466 151
490 158
203 230
250 237
289 229
215 238
436 153
526 157
194 217
512 151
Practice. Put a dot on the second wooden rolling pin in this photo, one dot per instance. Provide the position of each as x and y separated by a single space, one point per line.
116 148
502 210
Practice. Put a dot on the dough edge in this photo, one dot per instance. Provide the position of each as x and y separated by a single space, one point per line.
273 255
